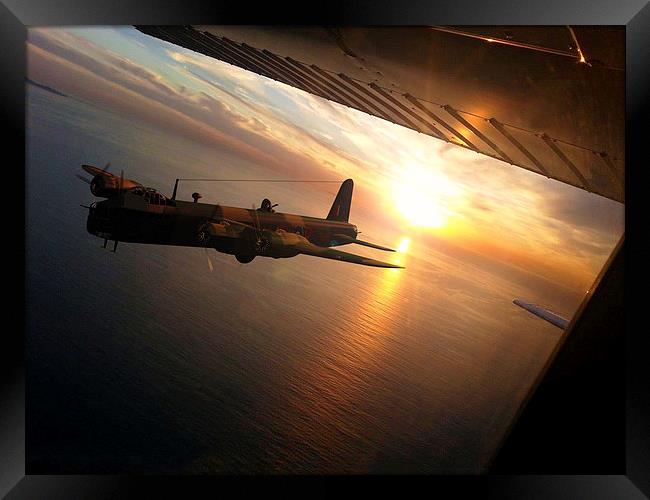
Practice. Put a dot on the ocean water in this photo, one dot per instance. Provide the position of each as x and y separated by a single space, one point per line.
144 361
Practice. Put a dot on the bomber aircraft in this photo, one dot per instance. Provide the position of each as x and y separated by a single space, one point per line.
546 99
134 213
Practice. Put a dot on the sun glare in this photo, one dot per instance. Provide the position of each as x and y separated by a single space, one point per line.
403 244
422 196
399 257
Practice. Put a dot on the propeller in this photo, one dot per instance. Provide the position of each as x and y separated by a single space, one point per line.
119 188
90 181
261 243
207 255
257 218
206 238
87 181
121 195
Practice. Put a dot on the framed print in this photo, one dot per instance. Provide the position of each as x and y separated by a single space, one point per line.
380 244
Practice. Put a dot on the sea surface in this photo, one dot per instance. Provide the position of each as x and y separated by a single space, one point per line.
145 361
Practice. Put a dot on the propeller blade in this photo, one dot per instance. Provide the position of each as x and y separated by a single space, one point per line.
257 221
120 187
207 255
214 212
81 177
106 167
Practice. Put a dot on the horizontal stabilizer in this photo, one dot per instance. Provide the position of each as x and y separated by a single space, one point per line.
545 314
342 238
307 248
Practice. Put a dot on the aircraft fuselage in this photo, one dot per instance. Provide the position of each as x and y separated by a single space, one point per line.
179 223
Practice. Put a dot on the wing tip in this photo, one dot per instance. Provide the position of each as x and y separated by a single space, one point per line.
388 265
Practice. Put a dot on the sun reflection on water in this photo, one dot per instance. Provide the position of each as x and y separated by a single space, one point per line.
334 396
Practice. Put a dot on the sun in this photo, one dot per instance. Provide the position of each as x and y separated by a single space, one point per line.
422 197
403 244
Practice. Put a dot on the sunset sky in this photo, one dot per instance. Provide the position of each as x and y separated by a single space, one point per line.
426 189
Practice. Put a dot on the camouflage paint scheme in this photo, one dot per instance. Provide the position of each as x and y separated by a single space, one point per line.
136 214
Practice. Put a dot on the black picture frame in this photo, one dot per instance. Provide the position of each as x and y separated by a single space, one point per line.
17 15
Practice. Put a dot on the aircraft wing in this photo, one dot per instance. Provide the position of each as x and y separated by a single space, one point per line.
96 171
241 225
225 229
547 99
305 247
543 313
299 244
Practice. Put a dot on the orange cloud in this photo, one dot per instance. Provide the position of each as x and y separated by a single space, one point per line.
503 212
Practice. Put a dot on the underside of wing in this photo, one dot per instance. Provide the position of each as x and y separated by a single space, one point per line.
307 248
546 99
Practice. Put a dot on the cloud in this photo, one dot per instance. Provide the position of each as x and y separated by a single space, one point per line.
589 211
508 213
144 75
247 136
101 62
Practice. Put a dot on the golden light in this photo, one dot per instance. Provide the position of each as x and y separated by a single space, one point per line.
422 196
399 257
403 244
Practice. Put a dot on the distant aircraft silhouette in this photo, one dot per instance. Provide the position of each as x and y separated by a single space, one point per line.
137 214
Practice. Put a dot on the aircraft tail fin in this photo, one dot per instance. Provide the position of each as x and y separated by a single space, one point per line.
340 210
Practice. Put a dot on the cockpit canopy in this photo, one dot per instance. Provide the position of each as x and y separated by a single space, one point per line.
150 195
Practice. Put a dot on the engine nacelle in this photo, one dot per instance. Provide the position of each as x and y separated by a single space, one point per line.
281 244
278 244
